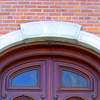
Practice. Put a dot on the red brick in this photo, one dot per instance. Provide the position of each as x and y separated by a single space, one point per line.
48 18
4 25
54 14
18 6
98 18
68 0
17 13
22 17
92 21
36 3
93 14
93 28
10 10
73 3
94 18
1 28
48 3
48 10
10 17
92 7
8 21
87 25
74 10
69 7
1 2
55 7
56 0
22 10
97 25
80 7
75 18
21 21
80 21
62 18
61 3
68 14
94 0
6 6
83 28
11 3
9 28
86 3
14 25
3 17
35 17
97 32
80 14
81 18
61 10
42 6
4 13
29 13
81 0
42 17
68 18
35 10
23 3
3 32
97 11
42 14
16 17
98 3
55 17
87 18
29 17
87 10
30 6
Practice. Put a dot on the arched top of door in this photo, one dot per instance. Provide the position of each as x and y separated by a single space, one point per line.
50 38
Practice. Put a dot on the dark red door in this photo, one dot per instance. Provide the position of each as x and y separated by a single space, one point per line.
49 70
48 78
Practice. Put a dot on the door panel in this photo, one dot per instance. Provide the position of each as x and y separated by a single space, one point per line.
56 79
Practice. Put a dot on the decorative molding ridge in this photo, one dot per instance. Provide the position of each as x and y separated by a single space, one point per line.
50 30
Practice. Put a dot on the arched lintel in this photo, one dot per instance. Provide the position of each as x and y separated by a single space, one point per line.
50 30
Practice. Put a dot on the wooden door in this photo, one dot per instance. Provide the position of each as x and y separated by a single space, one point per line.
53 79
49 70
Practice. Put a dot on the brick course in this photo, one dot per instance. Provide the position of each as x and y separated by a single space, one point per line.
84 12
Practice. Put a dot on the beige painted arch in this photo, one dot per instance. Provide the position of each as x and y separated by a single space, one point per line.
50 30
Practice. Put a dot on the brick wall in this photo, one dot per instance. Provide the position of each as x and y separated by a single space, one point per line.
85 12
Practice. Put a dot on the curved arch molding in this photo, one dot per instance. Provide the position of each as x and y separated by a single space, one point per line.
50 30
